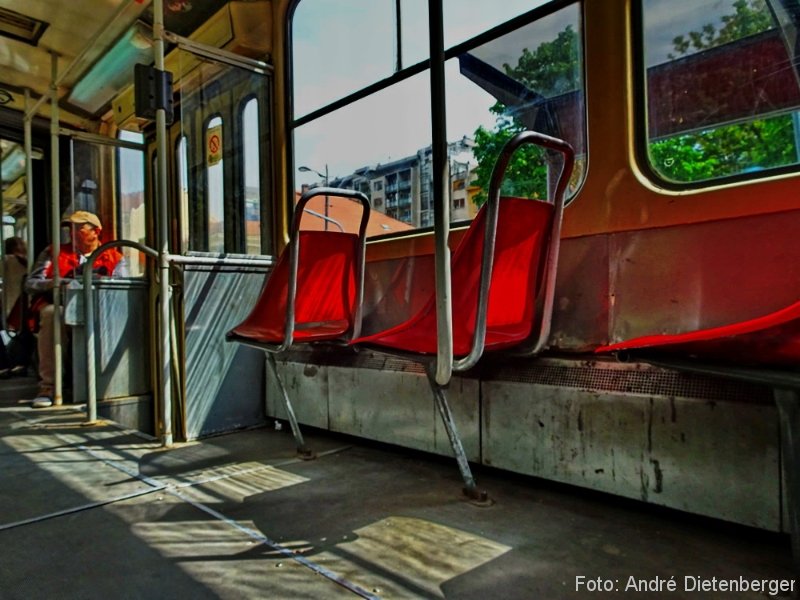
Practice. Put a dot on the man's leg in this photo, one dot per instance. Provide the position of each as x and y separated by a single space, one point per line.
46 358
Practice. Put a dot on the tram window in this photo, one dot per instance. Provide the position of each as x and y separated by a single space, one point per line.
215 188
182 168
251 133
131 199
722 98
381 142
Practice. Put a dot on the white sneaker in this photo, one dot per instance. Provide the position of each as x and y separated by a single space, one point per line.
43 400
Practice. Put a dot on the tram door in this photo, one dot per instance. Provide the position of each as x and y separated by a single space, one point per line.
221 183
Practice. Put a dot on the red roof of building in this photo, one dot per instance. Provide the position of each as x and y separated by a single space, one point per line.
347 213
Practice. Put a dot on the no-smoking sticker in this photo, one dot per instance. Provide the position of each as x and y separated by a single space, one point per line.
214 145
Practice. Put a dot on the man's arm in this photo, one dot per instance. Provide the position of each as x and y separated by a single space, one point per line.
37 282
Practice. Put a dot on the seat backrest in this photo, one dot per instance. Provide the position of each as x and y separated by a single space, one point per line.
523 230
325 304
315 291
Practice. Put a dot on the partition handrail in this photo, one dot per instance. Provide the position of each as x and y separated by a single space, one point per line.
294 257
490 234
220 261
88 302
88 307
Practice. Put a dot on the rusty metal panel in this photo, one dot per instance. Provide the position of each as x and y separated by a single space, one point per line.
367 403
590 439
580 310
720 460
307 388
712 458
691 277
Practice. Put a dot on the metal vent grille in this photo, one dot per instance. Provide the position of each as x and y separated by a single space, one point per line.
20 27
360 360
615 378
635 380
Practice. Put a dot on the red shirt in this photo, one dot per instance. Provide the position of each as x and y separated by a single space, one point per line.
69 262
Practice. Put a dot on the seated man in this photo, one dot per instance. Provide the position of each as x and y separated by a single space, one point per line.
86 232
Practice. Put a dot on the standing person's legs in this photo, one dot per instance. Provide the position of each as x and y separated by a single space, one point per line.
46 358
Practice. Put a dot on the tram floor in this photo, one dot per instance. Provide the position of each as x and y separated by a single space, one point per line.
102 512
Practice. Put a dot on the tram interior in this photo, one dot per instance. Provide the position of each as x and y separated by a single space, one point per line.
652 431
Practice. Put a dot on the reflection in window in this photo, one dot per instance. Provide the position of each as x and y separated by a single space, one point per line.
722 98
252 176
215 190
131 207
533 79
183 192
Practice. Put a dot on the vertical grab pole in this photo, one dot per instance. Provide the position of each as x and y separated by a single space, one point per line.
55 231
163 234
29 176
2 245
441 205
91 373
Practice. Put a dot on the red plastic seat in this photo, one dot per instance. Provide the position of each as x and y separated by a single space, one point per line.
315 291
313 294
523 229
326 301
772 339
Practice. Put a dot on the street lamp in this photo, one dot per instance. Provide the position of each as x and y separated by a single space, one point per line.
305 169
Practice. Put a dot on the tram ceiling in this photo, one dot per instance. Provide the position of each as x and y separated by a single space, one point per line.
96 42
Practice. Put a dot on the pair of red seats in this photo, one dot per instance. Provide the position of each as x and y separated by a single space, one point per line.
315 292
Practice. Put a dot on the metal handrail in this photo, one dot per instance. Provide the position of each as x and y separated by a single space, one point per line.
88 307
551 267
326 219
490 234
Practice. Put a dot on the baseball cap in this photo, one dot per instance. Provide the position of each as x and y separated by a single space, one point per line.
83 216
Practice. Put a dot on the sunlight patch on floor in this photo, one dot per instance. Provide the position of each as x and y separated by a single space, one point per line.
236 483
408 557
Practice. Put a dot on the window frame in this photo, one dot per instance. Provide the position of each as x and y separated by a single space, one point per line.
640 131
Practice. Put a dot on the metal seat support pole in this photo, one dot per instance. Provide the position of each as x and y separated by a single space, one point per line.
788 403
302 450
470 487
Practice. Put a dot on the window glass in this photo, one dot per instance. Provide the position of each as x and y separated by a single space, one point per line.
464 19
329 43
414 31
529 78
366 143
252 176
215 188
131 207
721 95
183 191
